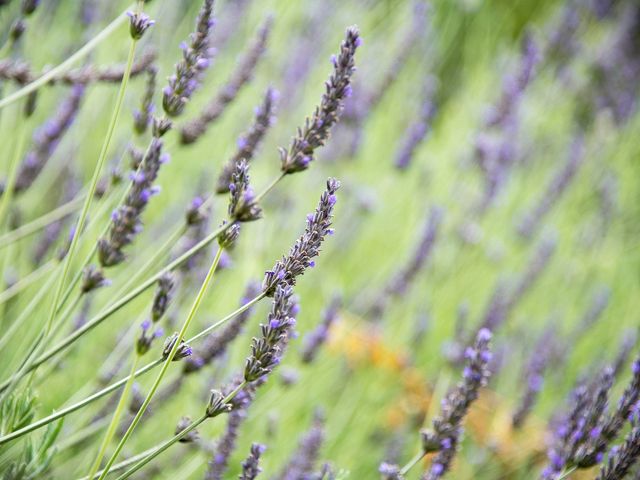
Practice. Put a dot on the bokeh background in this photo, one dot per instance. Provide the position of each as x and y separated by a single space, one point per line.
568 71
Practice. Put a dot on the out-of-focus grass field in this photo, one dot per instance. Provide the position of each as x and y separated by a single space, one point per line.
373 381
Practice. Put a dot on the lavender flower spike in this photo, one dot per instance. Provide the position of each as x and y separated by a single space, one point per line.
625 457
314 340
304 458
250 467
242 205
196 59
266 351
307 246
125 220
316 130
239 78
248 144
47 138
447 427
142 117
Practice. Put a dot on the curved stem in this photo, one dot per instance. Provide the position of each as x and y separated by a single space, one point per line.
111 429
44 79
30 366
176 344
27 281
63 412
40 222
163 446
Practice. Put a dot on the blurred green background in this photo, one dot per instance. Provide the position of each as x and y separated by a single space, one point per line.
366 379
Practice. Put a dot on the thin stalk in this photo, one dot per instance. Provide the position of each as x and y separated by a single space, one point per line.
63 412
566 473
40 222
64 66
114 307
124 464
5 201
26 312
269 187
167 362
85 208
412 463
27 281
162 447
115 419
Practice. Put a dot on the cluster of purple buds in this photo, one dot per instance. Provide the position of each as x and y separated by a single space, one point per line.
623 458
183 351
147 337
139 22
307 247
542 354
196 59
248 143
251 465
125 220
317 337
582 437
390 471
46 139
162 297
304 458
92 279
190 437
266 351
447 427
239 78
194 215
217 404
242 204
142 118
316 130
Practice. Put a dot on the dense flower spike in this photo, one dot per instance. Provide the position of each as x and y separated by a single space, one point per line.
92 278
307 247
227 443
20 72
147 337
162 297
142 118
139 23
46 139
242 205
623 458
542 355
560 181
304 458
317 337
196 59
266 351
249 143
251 465
125 220
239 78
390 471
316 130
403 279
184 350
447 427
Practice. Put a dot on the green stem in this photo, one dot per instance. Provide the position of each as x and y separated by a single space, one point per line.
269 187
111 429
5 201
162 447
412 463
124 464
63 412
40 222
114 307
30 366
64 66
27 281
167 361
